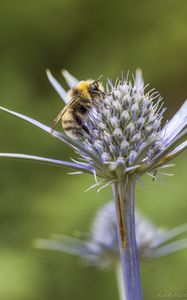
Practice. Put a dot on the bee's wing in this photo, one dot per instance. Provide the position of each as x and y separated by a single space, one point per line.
62 112
57 119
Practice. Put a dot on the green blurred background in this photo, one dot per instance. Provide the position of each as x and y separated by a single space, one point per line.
88 38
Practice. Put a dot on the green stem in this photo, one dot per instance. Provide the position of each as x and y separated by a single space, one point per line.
123 191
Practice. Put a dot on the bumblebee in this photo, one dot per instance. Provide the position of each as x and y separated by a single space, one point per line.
82 98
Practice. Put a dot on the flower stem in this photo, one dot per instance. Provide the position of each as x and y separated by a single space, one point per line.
123 191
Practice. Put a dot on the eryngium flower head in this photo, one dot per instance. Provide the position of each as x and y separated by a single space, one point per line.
127 127
100 248
125 132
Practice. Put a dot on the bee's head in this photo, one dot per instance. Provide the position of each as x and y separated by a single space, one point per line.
96 89
90 89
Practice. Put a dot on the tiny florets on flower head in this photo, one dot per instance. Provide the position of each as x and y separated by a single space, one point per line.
127 122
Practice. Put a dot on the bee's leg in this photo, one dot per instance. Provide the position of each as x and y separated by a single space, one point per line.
96 104
86 129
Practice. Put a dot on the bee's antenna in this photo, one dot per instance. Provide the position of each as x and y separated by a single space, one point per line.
97 80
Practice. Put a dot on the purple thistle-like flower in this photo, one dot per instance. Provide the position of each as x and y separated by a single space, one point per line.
100 246
126 133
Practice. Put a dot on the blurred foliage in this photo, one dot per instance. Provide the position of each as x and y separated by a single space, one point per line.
88 38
